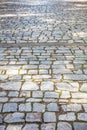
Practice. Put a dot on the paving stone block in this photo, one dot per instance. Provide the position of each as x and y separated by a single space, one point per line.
51 95
2 127
82 116
11 86
48 126
14 118
80 126
48 85
14 127
72 107
37 94
30 86
10 107
25 107
67 117
52 107
64 126
31 127
49 117
33 117
38 107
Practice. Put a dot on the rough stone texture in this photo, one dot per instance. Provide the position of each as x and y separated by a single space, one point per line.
48 126
29 86
14 118
84 87
82 116
14 127
31 127
25 107
37 94
72 107
38 107
43 63
11 85
49 117
52 107
2 127
67 87
10 107
64 126
47 86
80 126
51 95
67 117
33 117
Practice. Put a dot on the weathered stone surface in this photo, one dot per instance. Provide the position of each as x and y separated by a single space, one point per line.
84 87
65 94
38 107
79 95
37 94
31 127
30 86
64 126
47 86
3 99
10 107
67 87
82 116
25 107
14 118
33 117
67 117
11 86
14 127
49 117
13 94
80 126
51 95
52 107
72 107
48 126
2 127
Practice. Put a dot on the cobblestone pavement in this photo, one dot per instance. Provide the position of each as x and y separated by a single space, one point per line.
43 77
24 21
43 88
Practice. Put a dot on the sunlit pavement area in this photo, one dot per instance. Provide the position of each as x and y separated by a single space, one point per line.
43 65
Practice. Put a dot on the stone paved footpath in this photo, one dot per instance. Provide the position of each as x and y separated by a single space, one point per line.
43 65
43 88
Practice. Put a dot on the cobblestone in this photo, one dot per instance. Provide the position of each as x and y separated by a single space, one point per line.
64 126
31 127
49 117
14 118
14 127
10 107
25 107
80 126
38 107
33 117
68 117
43 65
48 126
